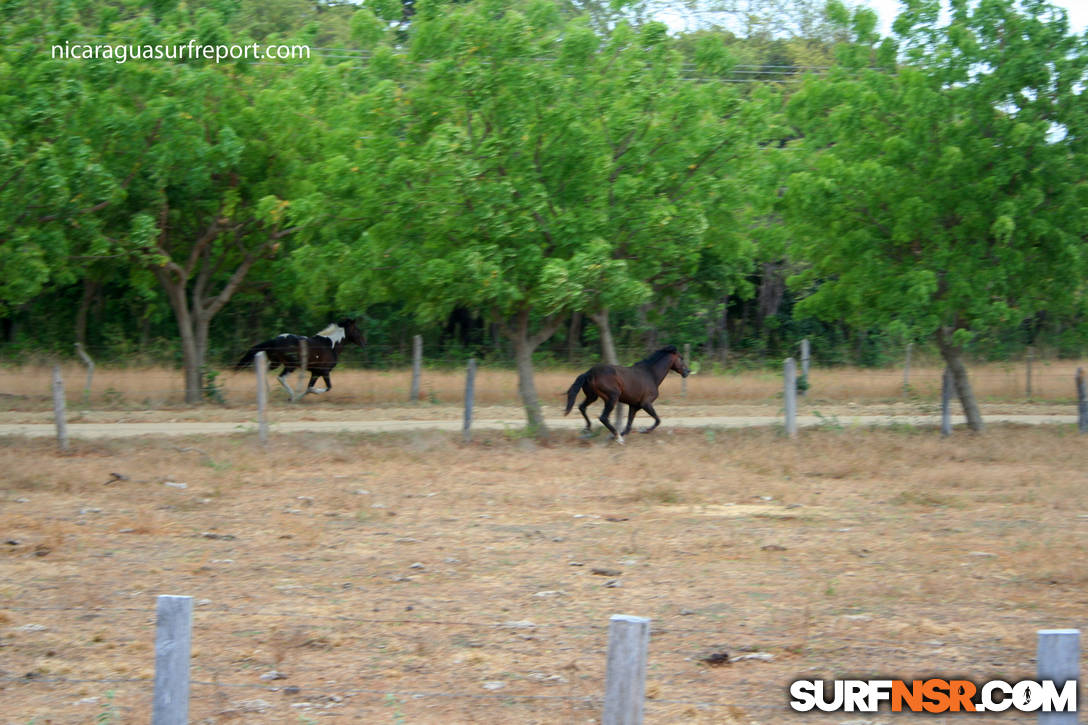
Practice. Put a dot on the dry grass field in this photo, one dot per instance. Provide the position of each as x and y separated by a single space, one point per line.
411 578
138 388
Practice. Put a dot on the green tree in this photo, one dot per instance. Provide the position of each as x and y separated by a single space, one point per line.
191 173
945 195
52 183
528 167
676 141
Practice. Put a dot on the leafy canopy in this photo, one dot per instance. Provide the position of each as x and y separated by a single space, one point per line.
948 190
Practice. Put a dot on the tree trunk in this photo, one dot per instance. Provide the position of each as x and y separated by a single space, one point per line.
90 289
145 329
193 327
195 307
724 357
708 347
953 357
201 326
649 332
524 345
608 344
190 359
523 356
608 352
574 335
717 334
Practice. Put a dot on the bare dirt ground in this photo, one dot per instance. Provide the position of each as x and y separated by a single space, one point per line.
411 578
327 411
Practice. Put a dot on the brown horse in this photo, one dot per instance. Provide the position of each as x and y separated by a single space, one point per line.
635 386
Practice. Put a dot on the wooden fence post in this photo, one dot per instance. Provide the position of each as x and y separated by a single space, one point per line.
625 677
1082 403
260 364
790 396
1058 658
805 349
906 370
470 395
59 412
90 371
417 365
946 400
173 643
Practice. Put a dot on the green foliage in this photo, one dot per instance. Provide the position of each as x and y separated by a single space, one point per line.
109 713
211 389
946 194
524 161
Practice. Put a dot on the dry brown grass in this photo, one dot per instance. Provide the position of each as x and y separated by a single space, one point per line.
368 568
27 388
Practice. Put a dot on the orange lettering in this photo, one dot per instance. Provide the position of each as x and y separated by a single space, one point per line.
936 691
961 692
912 695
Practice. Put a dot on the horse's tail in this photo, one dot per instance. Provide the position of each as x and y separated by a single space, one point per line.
247 359
573 392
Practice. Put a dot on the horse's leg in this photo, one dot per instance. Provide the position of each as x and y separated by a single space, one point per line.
591 397
649 408
309 387
609 404
281 377
328 384
631 410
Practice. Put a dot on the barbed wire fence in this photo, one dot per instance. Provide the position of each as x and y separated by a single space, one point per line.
796 384
431 376
205 667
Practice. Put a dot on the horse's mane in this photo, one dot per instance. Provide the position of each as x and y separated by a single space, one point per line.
655 357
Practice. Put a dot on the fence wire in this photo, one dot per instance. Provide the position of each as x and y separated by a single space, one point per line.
118 387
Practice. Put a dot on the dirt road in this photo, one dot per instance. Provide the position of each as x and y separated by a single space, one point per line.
511 422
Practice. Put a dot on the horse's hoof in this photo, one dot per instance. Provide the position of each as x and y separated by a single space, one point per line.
647 430
619 439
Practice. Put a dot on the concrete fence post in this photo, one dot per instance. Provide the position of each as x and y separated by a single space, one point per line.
687 361
173 643
417 367
906 370
1082 402
1058 658
790 396
260 364
303 365
805 354
1027 374
470 396
946 401
60 410
90 371
625 677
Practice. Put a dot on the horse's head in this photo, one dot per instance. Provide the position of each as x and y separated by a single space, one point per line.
678 363
351 332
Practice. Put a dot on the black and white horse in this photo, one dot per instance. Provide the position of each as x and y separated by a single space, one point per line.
322 353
